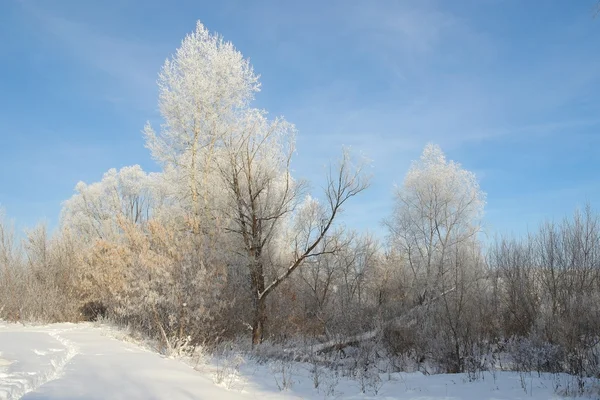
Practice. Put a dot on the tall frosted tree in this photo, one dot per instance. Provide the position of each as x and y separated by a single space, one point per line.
438 207
203 90
434 227
235 164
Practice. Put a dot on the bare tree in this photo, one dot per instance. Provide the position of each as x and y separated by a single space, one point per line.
264 195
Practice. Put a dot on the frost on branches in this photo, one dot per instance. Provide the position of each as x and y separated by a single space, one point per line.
212 231
438 209
433 238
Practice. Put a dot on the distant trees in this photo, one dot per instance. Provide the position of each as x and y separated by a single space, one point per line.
433 233
438 210
10 260
94 211
550 288
37 275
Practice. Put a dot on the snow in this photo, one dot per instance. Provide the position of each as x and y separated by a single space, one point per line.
81 362
84 361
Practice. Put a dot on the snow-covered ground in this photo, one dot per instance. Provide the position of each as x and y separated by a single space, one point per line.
84 361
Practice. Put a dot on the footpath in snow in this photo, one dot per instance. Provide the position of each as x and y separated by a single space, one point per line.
69 361
82 361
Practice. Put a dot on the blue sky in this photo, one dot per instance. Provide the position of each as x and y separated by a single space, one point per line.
509 88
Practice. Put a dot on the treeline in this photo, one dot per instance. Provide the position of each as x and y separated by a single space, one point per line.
224 242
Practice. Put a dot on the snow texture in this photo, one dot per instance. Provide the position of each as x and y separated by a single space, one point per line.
83 361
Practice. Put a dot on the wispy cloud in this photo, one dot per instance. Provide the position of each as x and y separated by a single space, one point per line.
434 76
383 76
443 74
130 67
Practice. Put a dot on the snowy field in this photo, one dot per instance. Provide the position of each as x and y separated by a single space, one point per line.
84 361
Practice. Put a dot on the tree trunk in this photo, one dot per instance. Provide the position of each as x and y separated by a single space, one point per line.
259 297
258 324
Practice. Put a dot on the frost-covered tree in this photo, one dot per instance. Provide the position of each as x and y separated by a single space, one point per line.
36 275
94 211
10 268
341 297
203 89
433 231
92 226
438 207
263 197
233 166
